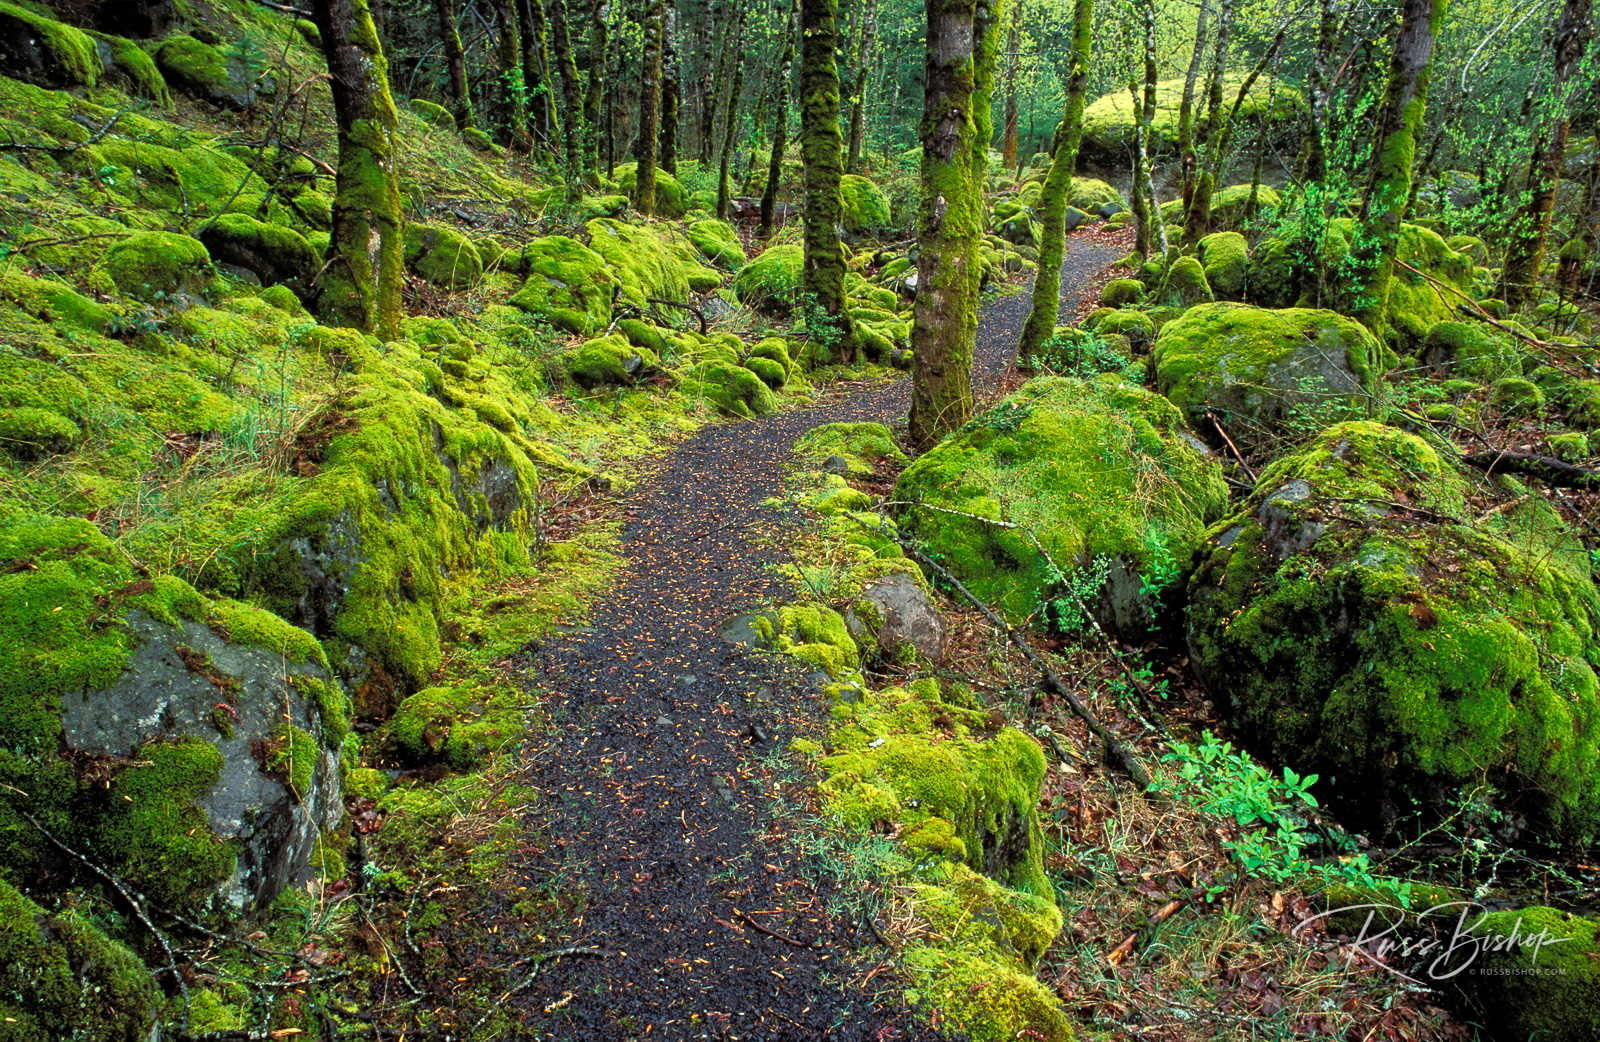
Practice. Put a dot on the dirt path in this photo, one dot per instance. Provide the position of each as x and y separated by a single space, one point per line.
656 801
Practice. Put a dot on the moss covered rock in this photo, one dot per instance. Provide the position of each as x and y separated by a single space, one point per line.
865 207
644 264
1259 367
199 179
62 978
458 727
442 256
1415 304
671 201
205 72
1138 328
568 285
128 66
273 253
772 279
610 360
1530 973
44 52
1471 349
159 266
1405 651
732 388
1095 197
1224 256
1515 396
1120 293
1102 476
1184 285
718 243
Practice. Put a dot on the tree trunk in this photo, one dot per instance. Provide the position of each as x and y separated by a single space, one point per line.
1147 208
1008 137
572 121
828 322
732 12
1576 255
1316 156
1053 199
1405 99
1197 198
858 100
535 70
1186 107
595 91
671 93
455 59
361 287
780 126
955 133
730 128
1532 223
1197 221
655 25
512 110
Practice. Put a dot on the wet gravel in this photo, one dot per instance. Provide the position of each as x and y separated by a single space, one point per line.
658 787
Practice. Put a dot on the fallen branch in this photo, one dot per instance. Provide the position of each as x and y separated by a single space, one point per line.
696 312
1551 471
1231 446
1120 752
786 939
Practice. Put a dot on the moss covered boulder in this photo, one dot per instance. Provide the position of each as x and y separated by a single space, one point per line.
610 361
208 73
1361 624
1256 367
1184 285
129 67
45 52
1415 304
1470 349
718 243
1224 256
772 279
671 201
1099 476
568 285
1529 973
865 206
731 388
1109 126
62 978
272 253
442 256
1096 197
200 179
159 266
644 264
457 727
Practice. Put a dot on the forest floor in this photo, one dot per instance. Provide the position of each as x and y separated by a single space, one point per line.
700 902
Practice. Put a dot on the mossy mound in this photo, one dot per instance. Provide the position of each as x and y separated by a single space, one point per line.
442 256
644 264
458 727
671 200
1530 973
1102 475
199 178
1362 626
44 52
271 252
865 206
731 387
1109 125
62 978
1224 256
772 279
1415 304
610 361
1120 293
568 285
206 72
1514 396
1095 197
1138 328
1258 368
718 243
159 266
1472 349
1184 285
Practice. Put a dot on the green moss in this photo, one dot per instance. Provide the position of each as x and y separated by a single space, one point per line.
1091 470
1184 285
153 266
443 256
718 242
732 388
1120 293
433 115
29 433
67 56
817 635
568 285
864 208
1137 327
1414 303
609 360
1472 348
1258 366
52 302
1092 196
126 62
1533 974
62 978
646 266
272 252
1108 123
771 279
1225 258
366 783
1516 397
859 444
458 727
1401 658
671 202
204 71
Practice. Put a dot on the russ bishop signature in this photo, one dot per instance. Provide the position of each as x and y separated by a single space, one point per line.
1446 956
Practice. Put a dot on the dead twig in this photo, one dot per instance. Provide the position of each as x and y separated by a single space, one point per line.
785 938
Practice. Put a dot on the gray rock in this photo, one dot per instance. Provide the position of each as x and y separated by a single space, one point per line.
836 465
157 696
894 611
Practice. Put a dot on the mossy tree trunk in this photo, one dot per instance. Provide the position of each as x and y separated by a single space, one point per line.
1146 208
1008 136
1405 100
535 69
1531 226
455 60
1315 163
732 14
572 121
671 92
595 91
1057 191
1197 221
828 320
512 115
1197 191
1577 254
780 126
730 129
361 287
858 96
655 23
1186 151
956 128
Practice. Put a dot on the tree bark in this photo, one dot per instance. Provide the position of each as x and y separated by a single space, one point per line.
455 60
733 12
512 114
671 93
858 99
730 126
1532 224
1198 189
644 198
955 132
1316 156
1008 136
536 70
828 322
572 119
780 126
1197 221
1186 106
1149 213
1053 199
595 90
361 287
1405 99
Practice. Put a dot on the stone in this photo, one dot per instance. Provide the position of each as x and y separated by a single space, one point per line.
899 616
